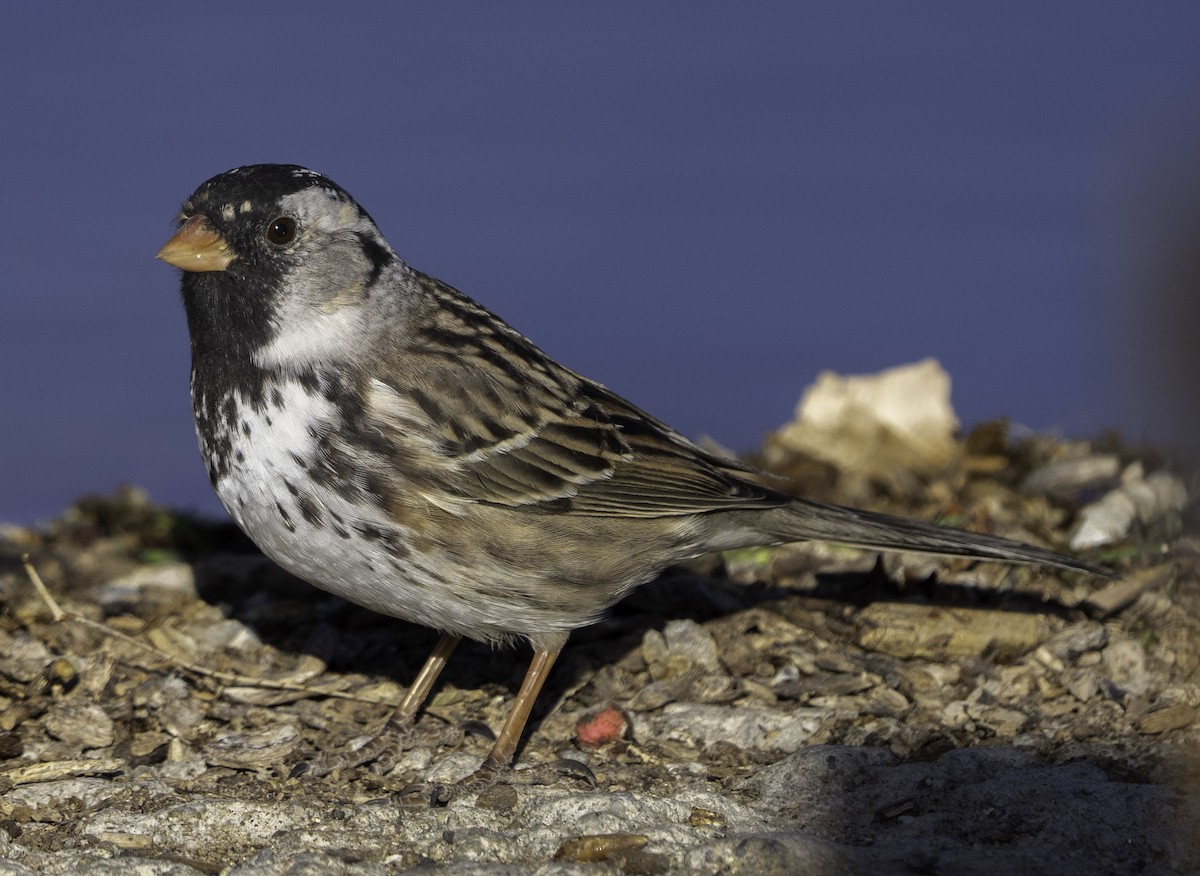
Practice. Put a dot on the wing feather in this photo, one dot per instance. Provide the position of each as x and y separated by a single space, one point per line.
515 429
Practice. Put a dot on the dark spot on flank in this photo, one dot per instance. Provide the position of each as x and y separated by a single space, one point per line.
309 381
287 518
368 532
388 539
277 398
349 403
291 488
410 580
310 510
246 429
376 443
376 486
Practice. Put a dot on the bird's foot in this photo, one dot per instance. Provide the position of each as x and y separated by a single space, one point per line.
426 795
491 773
555 771
381 752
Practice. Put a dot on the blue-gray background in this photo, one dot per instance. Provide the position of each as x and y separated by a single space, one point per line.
701 205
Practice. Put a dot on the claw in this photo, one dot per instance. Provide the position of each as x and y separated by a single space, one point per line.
478 728
574 769
381 752
486 775
425 795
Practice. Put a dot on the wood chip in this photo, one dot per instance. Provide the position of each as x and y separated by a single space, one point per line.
1176 717
62 769
1108 601
937 633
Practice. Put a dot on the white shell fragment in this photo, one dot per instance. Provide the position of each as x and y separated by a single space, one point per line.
872 426
1138 498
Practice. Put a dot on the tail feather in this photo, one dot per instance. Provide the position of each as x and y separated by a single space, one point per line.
806 520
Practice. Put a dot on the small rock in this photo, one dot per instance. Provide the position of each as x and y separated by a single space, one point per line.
148 742
1124 661
24 658
746 728
254 751
157 584
182 718
1067 478
1083 685
1145 499
1177 717
87 726
958 714
1069 643
681 646
230 634
656 694
1004 722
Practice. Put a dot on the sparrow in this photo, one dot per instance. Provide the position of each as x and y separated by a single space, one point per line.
382 436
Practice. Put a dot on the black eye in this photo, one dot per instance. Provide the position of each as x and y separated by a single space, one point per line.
281 231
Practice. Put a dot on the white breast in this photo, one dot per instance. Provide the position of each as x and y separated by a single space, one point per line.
310 530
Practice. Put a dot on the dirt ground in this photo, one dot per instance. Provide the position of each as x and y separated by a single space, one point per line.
804 709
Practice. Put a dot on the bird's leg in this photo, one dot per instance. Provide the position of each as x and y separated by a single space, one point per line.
501 754
384 750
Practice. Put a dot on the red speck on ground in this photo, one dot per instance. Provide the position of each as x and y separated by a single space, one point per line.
601 728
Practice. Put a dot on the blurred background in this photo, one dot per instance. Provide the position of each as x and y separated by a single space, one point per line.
700 205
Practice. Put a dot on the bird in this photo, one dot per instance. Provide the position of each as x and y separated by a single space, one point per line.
384 437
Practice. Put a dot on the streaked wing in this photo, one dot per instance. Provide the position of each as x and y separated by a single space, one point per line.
665 473
514 428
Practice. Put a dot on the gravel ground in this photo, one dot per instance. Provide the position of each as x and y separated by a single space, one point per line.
805 709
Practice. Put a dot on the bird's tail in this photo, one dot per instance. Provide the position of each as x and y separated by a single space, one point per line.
804 520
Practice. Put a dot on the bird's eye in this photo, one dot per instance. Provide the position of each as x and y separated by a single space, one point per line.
281 231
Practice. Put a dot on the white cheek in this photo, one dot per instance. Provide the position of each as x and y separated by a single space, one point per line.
312 337
319 317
